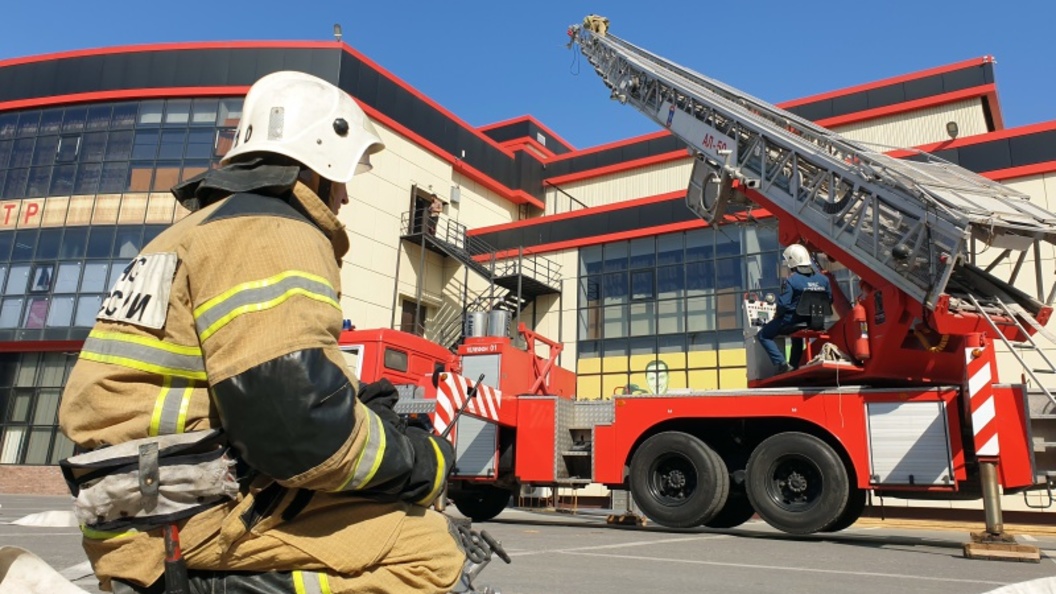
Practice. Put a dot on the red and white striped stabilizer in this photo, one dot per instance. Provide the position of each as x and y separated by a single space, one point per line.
452 393
981 375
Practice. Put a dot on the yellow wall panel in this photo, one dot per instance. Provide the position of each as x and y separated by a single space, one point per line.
733 358
588 387
702 359
703 379
732 379
612 383
589 365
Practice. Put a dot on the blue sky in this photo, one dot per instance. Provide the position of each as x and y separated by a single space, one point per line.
492 60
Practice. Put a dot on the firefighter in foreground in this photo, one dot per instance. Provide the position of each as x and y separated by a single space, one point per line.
211 395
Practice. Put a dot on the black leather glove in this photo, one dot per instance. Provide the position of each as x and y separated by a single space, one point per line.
380 397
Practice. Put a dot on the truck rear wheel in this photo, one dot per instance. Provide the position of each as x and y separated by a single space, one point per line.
851 513
480 503
797 483
678 481
738 510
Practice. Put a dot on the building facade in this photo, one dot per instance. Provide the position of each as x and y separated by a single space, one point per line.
592 247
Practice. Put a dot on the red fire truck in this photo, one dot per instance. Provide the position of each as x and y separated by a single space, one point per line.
898 393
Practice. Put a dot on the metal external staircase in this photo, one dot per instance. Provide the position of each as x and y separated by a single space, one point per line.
1040 368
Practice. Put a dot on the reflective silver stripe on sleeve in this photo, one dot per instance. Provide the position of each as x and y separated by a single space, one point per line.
170 410
310 582
370 456
259 296
145 354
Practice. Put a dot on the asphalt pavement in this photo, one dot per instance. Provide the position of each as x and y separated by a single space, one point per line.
580 554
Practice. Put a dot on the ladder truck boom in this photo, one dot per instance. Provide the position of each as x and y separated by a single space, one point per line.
907 222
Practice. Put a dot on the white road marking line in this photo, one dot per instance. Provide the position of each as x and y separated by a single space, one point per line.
1028 537
1050 554
624 544
783 568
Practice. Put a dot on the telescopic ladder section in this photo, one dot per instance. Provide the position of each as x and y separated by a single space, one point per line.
911 221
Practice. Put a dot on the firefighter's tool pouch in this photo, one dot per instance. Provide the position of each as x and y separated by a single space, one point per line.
147 483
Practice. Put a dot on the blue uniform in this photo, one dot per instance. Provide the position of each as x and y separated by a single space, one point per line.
786 320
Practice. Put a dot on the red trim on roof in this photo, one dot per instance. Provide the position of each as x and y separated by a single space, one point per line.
521 144
618 167
613 145
124 94
1021 171
176 46
994 106
528 118
974 62
897 108
587 241
579 213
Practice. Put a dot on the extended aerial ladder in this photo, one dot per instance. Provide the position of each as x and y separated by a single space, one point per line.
908 228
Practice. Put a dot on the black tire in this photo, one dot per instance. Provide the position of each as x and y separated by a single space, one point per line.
851 513
480 503
678 481
797 483
738 510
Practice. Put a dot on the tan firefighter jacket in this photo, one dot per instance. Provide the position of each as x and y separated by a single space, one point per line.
230 319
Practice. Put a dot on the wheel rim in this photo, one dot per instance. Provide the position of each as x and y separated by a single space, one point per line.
796 483
672 479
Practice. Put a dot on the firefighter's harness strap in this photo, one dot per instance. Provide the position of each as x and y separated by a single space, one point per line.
146 483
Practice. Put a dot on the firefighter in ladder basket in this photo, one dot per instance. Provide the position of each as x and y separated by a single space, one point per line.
211 397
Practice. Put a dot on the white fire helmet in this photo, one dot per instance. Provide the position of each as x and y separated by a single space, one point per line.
307 119
796 255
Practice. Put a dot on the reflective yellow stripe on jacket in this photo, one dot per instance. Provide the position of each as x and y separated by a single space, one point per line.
144 353
260 295
170 409
369 459
311 582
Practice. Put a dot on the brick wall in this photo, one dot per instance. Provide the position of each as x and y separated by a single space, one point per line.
32 480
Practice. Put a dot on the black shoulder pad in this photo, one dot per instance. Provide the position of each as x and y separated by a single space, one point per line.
255 205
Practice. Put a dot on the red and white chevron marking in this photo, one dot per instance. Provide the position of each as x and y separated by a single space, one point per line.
452 393
982 404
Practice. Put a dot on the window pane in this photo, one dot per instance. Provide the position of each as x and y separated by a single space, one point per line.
590 260
50 121
93 146
150 113
590 323
230 112
20 405
47 407
88 176
36 313
15 186
38 183
6 148
99 117
669 249
643 253
729 273
8 125
172 142
61 312
763 270
114 179
45 150
758 238
94 279
48 244
62 179
728 310
204 112
615 321
62 449
643 319
7 240
73 241
53 368
700 313
124 115
178 111
119 145
670 282
74 119
127 244
145 145
87 308
13 437
671 316
42 278
28 123
100 242
25 245
22 152
700 244
590 291
616 256
10 312
68 148
39 443
615 288
728 241
642 285
700 277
